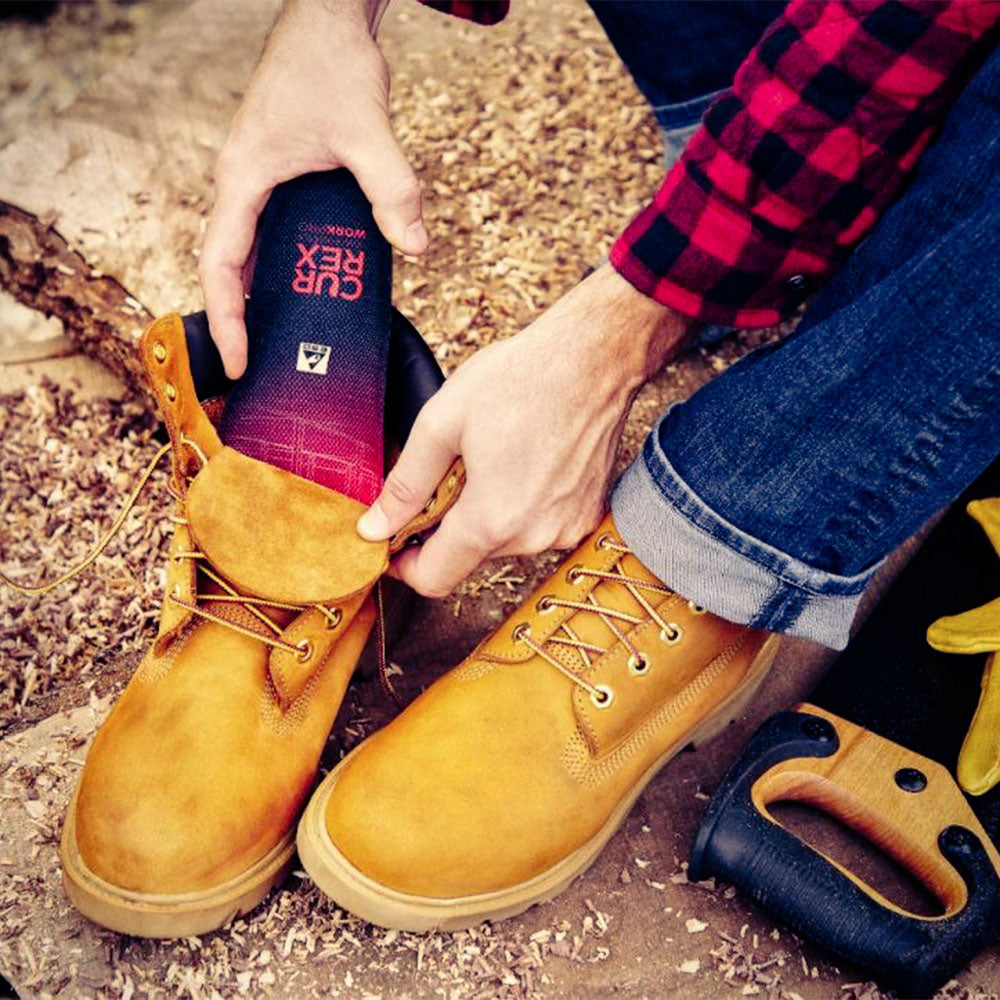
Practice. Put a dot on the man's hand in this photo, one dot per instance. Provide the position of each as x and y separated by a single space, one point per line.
537 419
317 100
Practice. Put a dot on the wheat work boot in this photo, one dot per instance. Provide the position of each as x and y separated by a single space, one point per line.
185 811
503 781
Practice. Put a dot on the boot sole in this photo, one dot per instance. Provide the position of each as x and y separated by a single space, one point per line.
168 915
356 892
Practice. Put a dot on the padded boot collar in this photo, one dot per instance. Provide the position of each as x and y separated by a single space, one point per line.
268 531
164 355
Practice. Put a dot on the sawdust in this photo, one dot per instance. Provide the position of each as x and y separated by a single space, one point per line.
530 168
48 60
513 141
67 465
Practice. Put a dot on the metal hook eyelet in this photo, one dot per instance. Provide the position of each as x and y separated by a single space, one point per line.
602 696
306 650
638 664
672 634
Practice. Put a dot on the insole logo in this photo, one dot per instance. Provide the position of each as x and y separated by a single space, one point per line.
337 270
313 358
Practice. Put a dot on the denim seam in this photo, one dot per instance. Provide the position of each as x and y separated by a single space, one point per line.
680 495
781 610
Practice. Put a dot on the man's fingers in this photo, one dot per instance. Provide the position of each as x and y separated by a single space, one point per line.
445 559
409 485
388 180
228 240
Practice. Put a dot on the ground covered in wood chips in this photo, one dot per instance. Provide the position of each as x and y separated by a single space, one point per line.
513 141
66 466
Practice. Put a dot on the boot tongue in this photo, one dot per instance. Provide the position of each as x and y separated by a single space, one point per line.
275 535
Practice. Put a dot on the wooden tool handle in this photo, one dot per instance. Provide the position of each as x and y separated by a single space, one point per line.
897 799
815 757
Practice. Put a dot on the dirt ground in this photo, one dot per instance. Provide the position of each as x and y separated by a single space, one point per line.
514 161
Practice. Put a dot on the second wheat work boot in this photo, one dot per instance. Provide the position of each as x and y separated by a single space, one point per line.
504 780
185 812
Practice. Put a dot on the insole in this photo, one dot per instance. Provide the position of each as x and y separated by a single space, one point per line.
312 398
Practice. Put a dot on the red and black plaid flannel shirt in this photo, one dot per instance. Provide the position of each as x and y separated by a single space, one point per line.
825 121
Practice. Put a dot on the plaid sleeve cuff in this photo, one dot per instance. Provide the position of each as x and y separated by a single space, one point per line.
710 260
793 166
478 11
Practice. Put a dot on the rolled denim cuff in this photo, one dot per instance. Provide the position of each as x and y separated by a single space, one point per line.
699 554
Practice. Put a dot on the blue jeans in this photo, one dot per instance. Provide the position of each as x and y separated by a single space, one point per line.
773 494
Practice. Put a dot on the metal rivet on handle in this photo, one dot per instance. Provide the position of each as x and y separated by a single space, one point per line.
818 729
910 779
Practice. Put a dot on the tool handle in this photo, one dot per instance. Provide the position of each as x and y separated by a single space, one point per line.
739 841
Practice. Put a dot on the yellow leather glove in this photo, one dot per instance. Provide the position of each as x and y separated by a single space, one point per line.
978 631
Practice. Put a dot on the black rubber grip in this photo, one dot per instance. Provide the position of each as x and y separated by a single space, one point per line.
735 842
412 377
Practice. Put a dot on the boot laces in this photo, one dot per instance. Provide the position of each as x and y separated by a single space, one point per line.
229 596
671 633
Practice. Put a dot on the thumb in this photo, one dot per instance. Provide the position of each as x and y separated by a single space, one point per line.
388 181
409 485
229 239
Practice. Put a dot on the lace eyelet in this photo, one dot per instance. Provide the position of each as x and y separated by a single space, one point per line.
575 575
306 650
334 618
429 506
696 609
159 352
176 592
545 606
170 391
522 630
602 541
638 665
602 696
671 635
